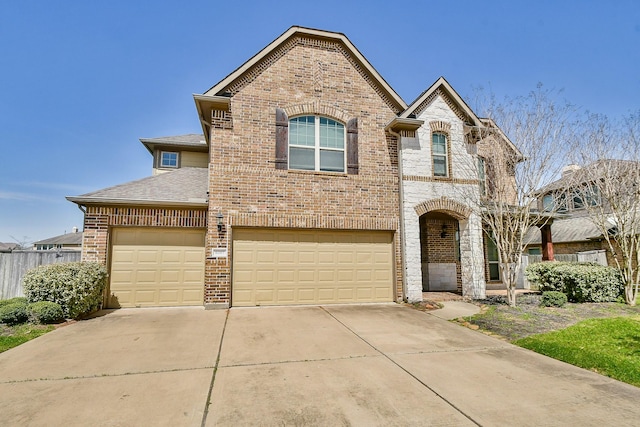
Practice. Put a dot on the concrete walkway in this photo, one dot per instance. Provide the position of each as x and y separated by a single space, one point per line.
335 365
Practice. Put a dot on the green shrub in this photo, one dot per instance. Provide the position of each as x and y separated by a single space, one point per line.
581 282
13 300
76 286
45 312
14 313
553 299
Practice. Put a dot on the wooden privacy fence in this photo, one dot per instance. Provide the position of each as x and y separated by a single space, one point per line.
14 265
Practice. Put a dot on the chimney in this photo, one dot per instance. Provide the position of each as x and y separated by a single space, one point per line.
569 169
74 230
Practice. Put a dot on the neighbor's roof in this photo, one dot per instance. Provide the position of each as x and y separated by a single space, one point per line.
192 141
216 96
63 239
589 173
185 186
8 247
576 229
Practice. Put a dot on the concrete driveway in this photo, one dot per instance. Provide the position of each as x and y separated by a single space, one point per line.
336 365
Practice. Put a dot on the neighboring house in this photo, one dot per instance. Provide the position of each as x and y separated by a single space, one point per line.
293 195
67 241
8 247
574 232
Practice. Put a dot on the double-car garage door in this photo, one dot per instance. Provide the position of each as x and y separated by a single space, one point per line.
165 267
280 267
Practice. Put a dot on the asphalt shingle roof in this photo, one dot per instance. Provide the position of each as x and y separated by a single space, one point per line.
182 186
576 229
190 140
63 239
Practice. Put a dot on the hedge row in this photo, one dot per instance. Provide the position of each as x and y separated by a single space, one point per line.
581 282
17 310
76 286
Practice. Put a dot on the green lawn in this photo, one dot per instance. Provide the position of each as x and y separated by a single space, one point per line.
608 346
13 336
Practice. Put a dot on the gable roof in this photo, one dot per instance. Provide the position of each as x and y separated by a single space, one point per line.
455 101
184 186
8 247
63 239
218 96
192 141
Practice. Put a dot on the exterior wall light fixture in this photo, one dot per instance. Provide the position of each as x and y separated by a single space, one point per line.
220 223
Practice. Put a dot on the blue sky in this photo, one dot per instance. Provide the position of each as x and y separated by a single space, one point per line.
81 82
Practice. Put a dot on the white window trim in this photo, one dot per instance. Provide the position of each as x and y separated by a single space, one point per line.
445 155
317 147
160 160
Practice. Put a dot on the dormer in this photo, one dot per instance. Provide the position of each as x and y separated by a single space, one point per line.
174 152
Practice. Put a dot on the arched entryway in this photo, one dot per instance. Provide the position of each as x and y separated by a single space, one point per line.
440 252
444 249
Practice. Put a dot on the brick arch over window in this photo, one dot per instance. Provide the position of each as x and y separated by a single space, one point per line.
444 204
440 127
317 108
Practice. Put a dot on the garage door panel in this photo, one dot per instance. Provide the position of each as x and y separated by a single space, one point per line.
311 267
153 266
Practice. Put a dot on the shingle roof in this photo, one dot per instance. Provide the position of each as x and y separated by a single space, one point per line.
182 186
576 229
589 173
63 239
192 140
8 247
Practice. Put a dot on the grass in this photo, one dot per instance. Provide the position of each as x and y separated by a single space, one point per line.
608 346
13 336
602 337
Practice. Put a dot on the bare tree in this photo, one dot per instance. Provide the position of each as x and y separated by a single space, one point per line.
521 149
608 186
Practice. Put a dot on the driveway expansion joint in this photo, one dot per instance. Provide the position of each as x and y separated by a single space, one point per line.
444 399
286 362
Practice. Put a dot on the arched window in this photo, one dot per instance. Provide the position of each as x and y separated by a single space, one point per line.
317 143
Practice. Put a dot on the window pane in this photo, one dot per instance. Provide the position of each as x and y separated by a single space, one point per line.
494 271
332 161
439 144
439 166
302 131
169 160
331 133
301 158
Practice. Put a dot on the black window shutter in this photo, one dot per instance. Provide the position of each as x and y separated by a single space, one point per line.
352 146
282 139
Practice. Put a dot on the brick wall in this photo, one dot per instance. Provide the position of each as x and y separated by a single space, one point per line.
305 76
99 220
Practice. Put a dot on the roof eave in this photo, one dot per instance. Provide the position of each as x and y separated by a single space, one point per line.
205 104
93 201
442 82
404 124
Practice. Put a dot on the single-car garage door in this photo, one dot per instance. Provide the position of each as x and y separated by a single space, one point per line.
280 267
156 267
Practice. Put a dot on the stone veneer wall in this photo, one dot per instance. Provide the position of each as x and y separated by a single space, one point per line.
305 76
422 193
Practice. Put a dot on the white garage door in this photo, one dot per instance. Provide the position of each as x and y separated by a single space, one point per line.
156 267
280 267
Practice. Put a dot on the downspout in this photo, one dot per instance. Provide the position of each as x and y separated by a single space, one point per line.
401 207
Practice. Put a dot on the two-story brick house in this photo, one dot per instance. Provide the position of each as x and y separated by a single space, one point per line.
296 193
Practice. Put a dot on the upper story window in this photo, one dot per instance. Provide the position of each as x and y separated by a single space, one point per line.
439 154
316 143
482 176
168 159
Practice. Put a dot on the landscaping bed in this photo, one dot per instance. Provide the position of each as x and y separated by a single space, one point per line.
528 318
